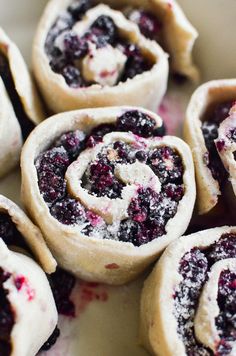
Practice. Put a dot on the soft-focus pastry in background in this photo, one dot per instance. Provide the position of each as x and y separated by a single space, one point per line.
20 109
95 57
206 118
188 301
164 22
226 145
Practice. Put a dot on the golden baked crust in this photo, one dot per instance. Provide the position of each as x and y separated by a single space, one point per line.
146 89
158 325
212 92
91 257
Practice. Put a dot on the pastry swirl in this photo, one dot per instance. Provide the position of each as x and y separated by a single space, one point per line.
20 109
26 298
206 119
100 59
166 23
108 192
188 301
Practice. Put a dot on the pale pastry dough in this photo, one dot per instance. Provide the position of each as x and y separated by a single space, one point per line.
92 257
208 94
30 233
179 35
146 89
226 146
10 131
30 296
208 309
23 82
158 326
10 134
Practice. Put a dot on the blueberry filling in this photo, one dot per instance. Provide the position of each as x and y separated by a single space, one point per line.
9 233
68 211
62 284
105 31
133 121
148 24
78 8
148 212
226 320
51 341
51 166
101 180
136 122
7 317
167 165
73 143
97 134
73 76
135 64
232 135
66 50
12 237
194 268
75 47
5 73
210 133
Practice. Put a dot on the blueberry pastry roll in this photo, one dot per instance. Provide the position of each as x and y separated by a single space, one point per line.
206 117
19 233
20 109
108 192
164 22
26 300
226 145
97 59
188 301
11 139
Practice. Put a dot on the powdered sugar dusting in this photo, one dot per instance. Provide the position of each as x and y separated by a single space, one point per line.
194 268
100 180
